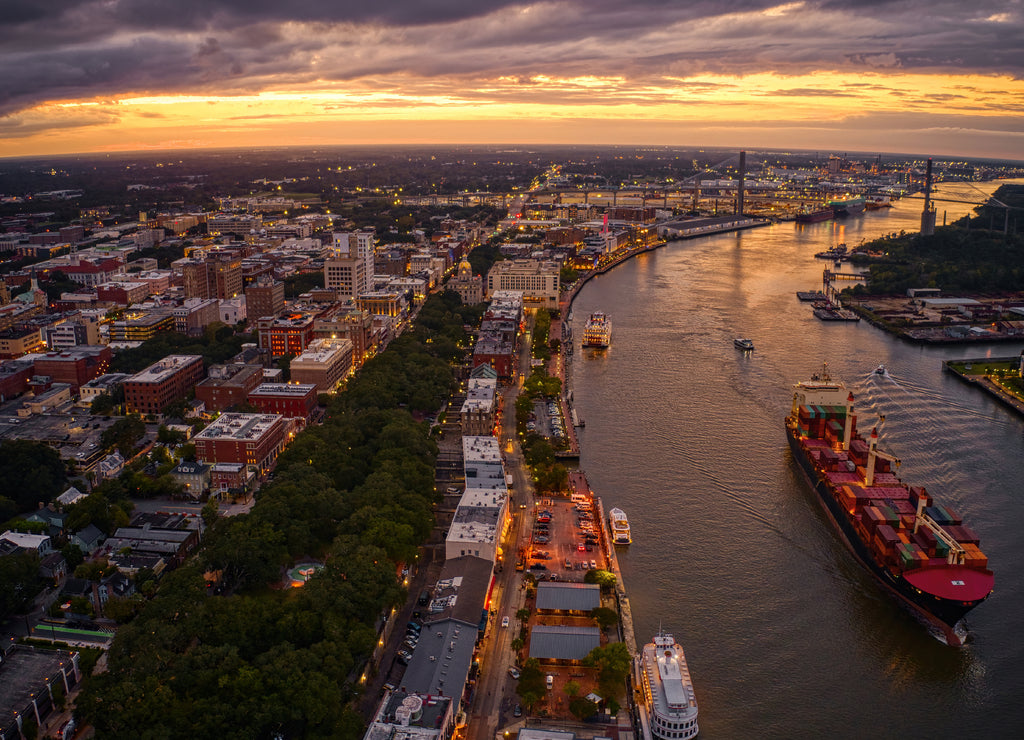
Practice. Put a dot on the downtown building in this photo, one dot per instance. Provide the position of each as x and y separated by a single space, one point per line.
537 280
171 379
228 385
349 269
264 298
325 363
250 440
290 400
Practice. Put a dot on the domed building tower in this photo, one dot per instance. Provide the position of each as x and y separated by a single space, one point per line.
470 287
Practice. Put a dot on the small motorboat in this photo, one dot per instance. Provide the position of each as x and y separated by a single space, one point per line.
744 344
880 370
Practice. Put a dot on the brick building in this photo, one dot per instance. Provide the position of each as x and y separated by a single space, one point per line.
163 382
228 385
75 366
264 298
254 440
195 314
285 335
123 293
216 276
347 322
291 400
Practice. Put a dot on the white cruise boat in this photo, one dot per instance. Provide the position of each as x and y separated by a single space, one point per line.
670 703
620 527
598 331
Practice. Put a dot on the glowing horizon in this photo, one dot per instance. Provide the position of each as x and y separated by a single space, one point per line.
558 73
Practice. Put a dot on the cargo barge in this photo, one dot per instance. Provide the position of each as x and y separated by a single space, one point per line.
850 205
918 550
814 215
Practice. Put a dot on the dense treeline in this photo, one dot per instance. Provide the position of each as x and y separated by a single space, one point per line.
218 344
31 475
972 256
261 660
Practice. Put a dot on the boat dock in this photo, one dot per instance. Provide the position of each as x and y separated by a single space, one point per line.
578 484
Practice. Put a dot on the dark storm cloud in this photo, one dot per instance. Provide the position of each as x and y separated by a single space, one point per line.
85 48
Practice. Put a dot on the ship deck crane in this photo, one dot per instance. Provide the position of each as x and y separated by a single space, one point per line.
957 553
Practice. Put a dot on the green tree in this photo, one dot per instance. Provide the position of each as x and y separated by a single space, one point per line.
19 582
31 473
523 615
211 510
571 688
613 663
604 617
94 570
123 434
603 578
581 708
531 687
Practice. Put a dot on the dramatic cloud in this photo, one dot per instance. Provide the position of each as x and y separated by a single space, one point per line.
575 53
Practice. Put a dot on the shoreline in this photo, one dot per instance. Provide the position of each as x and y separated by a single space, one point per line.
986 384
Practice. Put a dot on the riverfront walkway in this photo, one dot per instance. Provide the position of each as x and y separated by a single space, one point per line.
987 383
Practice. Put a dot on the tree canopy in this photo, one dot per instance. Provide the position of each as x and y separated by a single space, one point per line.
31 473
971 256
259 660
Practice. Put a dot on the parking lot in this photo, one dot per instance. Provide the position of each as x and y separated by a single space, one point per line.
547 420
565 539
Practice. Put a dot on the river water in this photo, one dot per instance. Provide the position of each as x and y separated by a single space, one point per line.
785 634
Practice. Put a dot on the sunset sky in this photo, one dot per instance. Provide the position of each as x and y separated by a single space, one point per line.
919 76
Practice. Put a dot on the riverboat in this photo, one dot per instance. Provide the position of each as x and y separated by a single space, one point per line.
920 551
598 331
621 534
744 344
669 704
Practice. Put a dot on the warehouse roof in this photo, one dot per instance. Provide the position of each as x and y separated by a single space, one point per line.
568 597
553 642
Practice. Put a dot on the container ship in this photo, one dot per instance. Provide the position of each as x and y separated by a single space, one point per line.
813 215
670 707
598 331
918 550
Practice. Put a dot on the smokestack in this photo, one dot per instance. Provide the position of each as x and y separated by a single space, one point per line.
928 215
739 183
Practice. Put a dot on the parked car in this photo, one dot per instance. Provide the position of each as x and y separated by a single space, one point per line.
504 621
517 711
514 672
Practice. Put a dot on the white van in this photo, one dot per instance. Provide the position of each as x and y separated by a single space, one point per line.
550 681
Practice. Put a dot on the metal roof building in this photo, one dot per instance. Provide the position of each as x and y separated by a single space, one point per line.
440 664
553 642
568 597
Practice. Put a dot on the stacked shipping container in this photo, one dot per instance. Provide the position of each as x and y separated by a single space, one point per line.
883 514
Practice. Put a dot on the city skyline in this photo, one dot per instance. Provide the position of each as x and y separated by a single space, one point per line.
937 78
